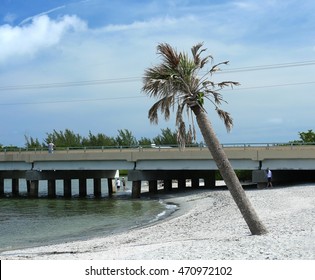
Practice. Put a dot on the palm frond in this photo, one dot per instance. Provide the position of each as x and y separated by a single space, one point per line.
163 105
217 97
180 124
216 68
226 117
196 52
169 55
207 83
191 134
204 61
228 84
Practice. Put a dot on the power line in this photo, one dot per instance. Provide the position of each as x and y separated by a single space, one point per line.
71 101
136 79
270 66
141 96
69 84
277 85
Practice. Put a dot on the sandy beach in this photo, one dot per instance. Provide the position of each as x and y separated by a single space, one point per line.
207 225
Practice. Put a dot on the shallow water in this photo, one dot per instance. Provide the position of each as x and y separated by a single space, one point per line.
28 222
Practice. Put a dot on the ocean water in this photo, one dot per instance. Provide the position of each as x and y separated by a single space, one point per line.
28 222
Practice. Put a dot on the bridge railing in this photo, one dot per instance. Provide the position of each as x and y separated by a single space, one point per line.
140 148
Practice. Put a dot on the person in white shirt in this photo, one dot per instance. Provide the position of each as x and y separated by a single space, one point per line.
118 183
51 147
269 178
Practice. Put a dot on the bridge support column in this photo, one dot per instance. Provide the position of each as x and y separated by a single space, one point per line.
97 182
181 183
168 185
15 187
153 189
136 189
1 186
195 182
33 188
51 188
259 177
210 180
67 192
110 186
82 187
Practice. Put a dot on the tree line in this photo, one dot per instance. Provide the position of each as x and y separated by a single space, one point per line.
125 137
305 137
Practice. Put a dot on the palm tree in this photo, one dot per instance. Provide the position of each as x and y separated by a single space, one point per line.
176 82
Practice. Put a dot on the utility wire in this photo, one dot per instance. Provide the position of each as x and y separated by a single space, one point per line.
141 96
136 79
69 84
271 66
276 85
71 101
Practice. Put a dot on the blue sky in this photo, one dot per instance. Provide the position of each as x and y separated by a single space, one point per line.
78 64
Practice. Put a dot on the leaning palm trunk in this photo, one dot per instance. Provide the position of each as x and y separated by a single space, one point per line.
227 172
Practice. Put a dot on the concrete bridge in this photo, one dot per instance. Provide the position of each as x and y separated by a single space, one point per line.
150 164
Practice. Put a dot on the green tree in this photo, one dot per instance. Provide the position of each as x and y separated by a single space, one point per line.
308 136
65 138
167 137
176 82
99 139
126 138
32 143
144 141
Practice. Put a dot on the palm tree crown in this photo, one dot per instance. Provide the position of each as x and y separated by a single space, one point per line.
177 82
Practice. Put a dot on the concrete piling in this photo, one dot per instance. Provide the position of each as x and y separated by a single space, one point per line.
97 187
15 186
153 187
67 191
82 187
136 189
33 189
51 188
1 187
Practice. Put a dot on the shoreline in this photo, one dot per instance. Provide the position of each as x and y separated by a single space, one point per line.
207 225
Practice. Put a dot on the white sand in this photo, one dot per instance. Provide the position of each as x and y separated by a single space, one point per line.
207 226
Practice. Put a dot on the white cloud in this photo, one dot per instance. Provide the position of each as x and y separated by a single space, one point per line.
41 33
153 23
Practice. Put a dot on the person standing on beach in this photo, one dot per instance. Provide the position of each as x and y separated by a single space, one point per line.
124 183
118 183
269 178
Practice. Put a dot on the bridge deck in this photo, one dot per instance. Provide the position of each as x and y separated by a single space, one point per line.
242 157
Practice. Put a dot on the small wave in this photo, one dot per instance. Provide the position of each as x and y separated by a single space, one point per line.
169 209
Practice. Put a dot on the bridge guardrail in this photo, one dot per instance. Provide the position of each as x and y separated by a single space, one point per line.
150 147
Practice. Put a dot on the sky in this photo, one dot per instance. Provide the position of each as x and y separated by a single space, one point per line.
79 64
